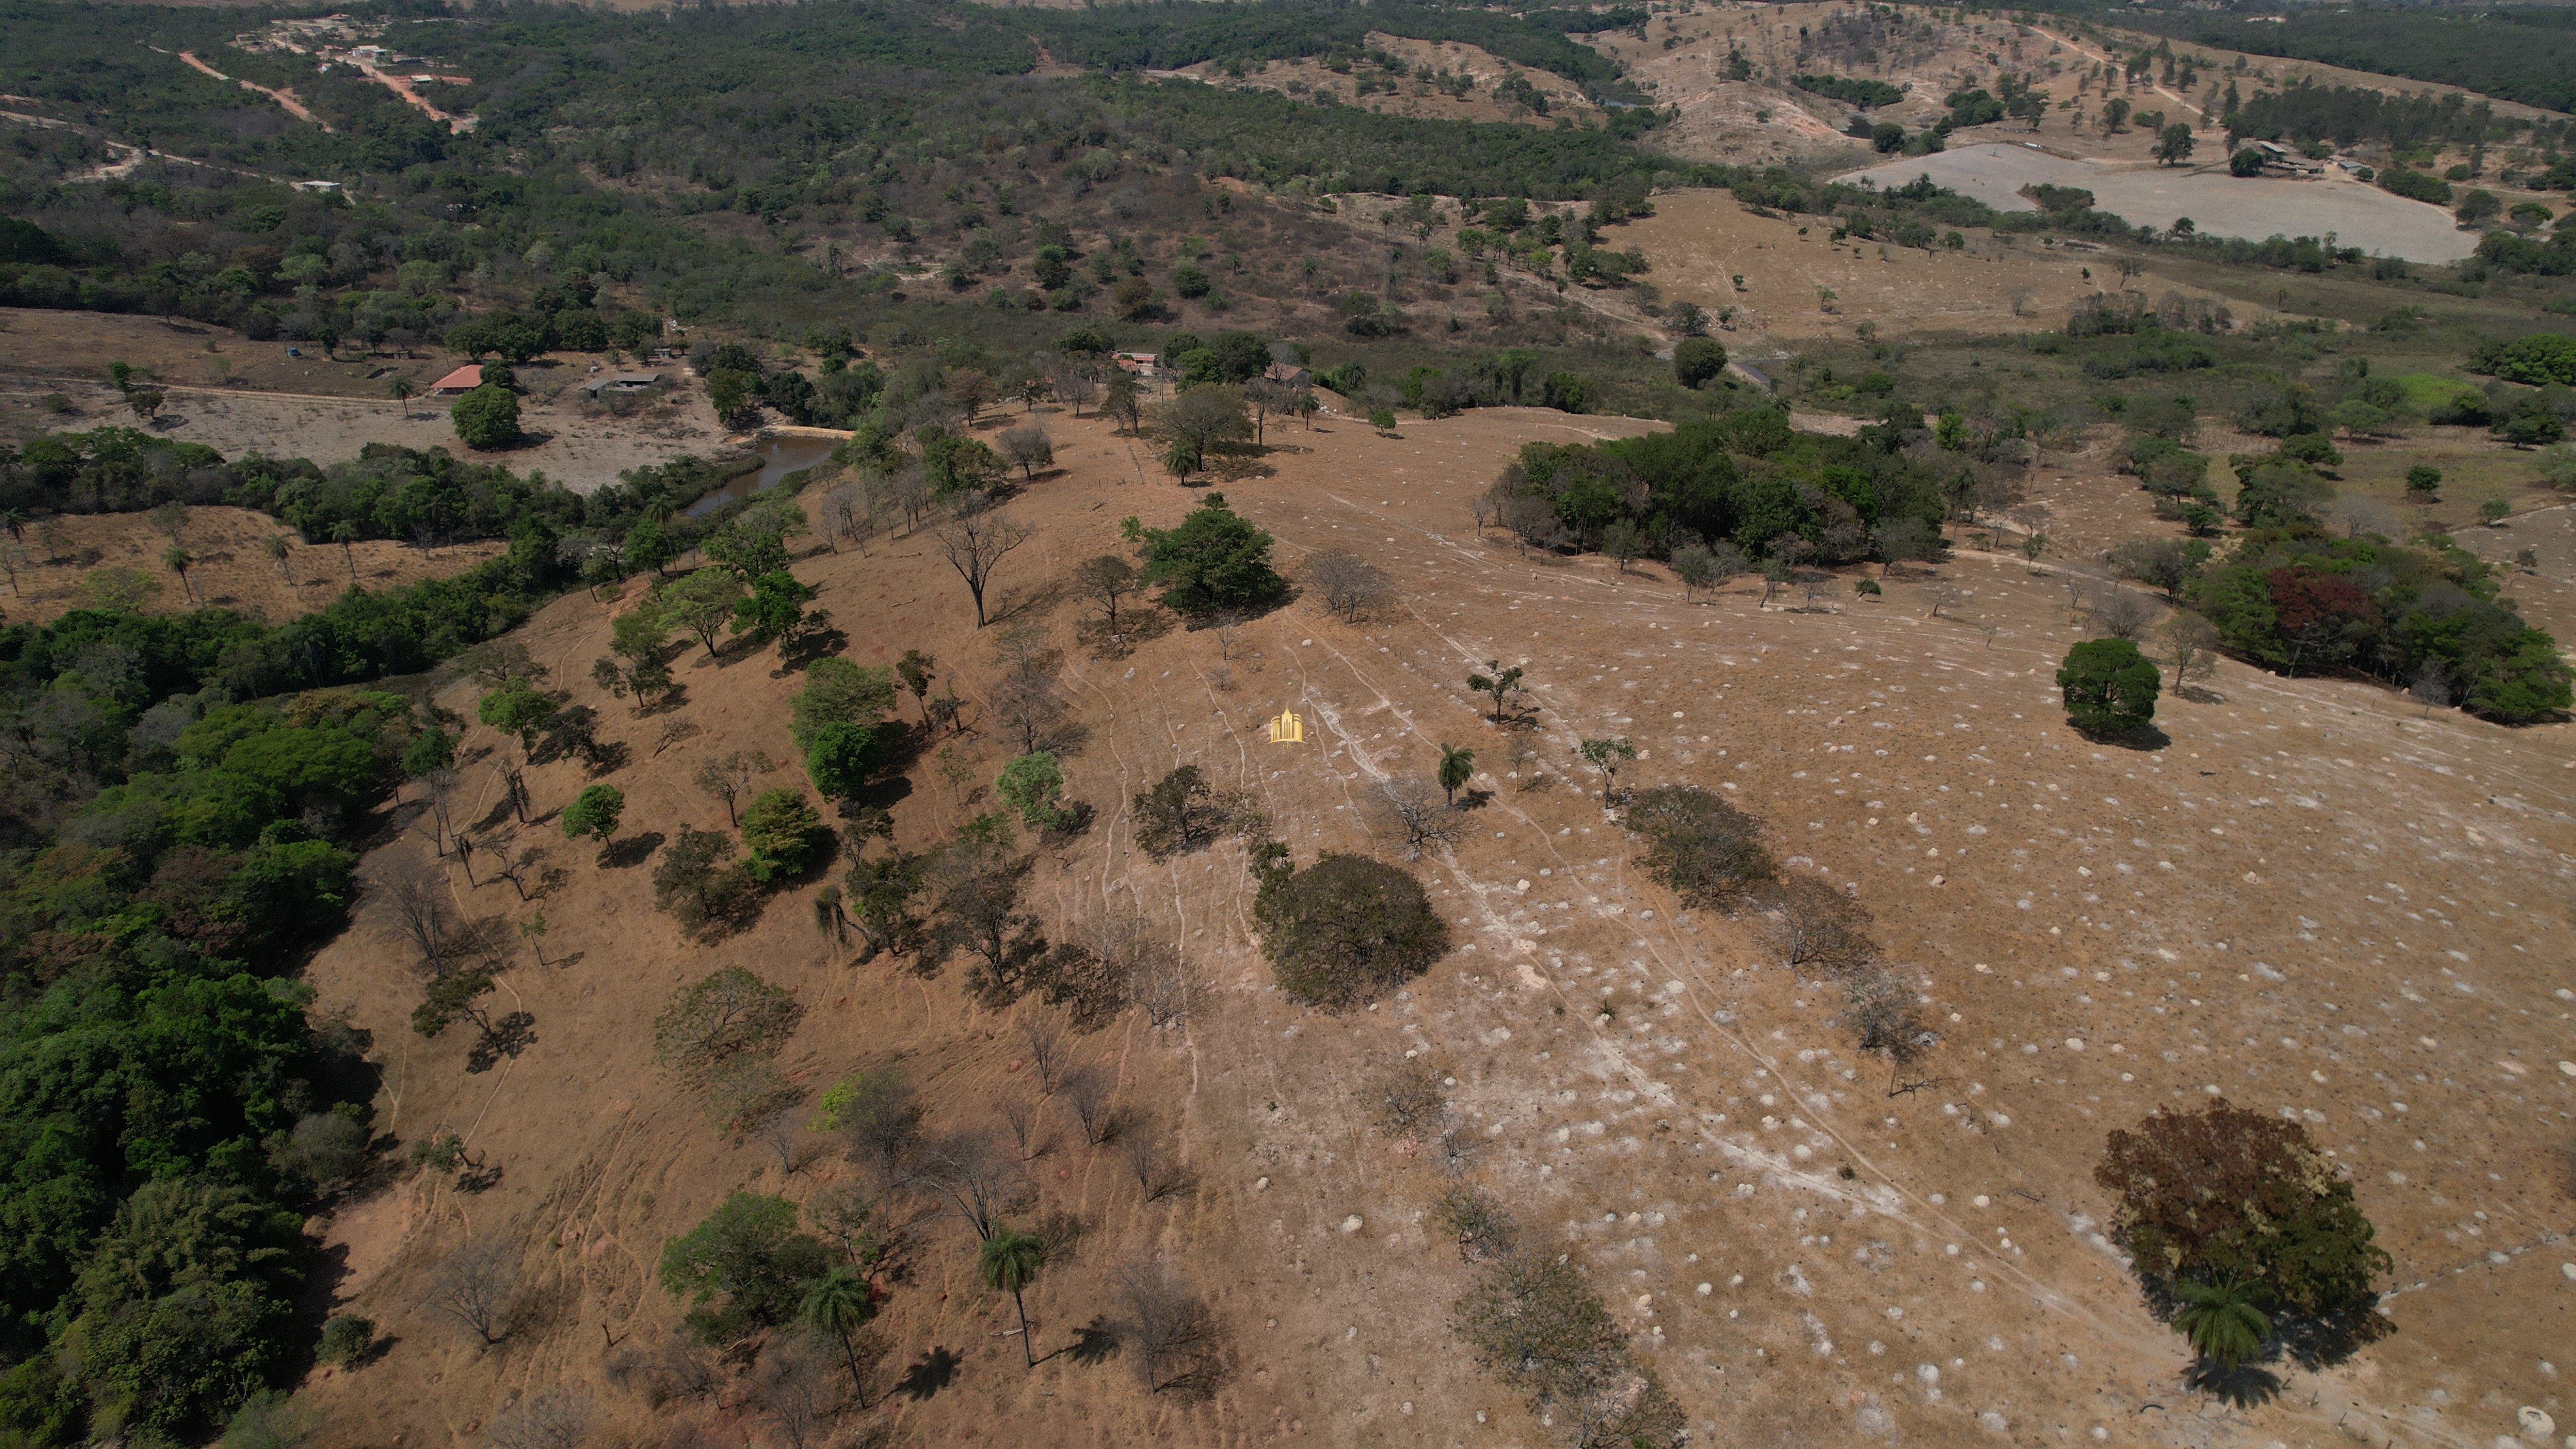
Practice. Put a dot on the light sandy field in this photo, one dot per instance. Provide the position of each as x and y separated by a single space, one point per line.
2314 901
2356 213
1699 241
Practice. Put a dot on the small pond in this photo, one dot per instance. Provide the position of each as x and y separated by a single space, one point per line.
779 456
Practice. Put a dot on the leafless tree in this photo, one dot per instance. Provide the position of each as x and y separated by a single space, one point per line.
1942 596
2191 648
477 1285
728 778
1088 1095
422 916
801 1391
1177 1342
1415 810
1028 448
1031 708
975 541
547 1419
1046 1049
528 865
843 506
1157 1175
1021 1120
439 790
979 1177
1229 633
1812 925
1351 586
674 732
1159 981
1074 384
781 1130
1105 581
2120 614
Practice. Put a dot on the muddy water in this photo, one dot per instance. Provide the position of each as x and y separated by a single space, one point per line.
778 458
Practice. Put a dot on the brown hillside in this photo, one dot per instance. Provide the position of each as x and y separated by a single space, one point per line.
2314 901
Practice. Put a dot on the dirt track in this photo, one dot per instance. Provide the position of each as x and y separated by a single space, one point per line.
2312 900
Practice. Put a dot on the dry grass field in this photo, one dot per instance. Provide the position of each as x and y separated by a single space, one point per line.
2314 900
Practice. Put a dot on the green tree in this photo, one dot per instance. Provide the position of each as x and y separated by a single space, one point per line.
2423 481
1502 683
783 834
775 607
1008 1262
2221 1320
517 708
1033 784
701 600
594 812
1698 361
431 750
2226 1193
839 1305
842 757
744 1267
649 546
1214 560
1607 756
2109 687
838 691
1457 767
487 417
2174 143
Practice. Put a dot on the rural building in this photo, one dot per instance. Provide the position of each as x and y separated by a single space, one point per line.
620 384
458 383
1288 374
1140 363
2281 160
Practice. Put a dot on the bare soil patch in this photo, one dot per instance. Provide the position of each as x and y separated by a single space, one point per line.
2314 901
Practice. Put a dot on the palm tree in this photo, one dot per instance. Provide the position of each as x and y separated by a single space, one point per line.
402 389
14 520
1008 1262
839 1304
277 545
178 559
345 533
1456 767
2220 1320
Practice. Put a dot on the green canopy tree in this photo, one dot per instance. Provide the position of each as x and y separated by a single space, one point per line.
701 601
594 812
487 417
1214 560
1033 784
2109 687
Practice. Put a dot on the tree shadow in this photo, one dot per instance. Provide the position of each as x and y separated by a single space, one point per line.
492 818
925 1376
1040 599
2329 1338
607 758
1094 1343
1474 800
506 1037
809 645
632 851
2245 1386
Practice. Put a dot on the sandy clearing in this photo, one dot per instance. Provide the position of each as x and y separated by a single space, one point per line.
2355 212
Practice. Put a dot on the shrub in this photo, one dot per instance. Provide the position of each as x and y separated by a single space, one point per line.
2540 359
1345 929
1697 361
783 834
487 417
2109 687
1706 850
2231 1193
1033 784
697 881
346 1338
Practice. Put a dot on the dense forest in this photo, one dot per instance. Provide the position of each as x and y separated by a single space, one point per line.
2523 53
